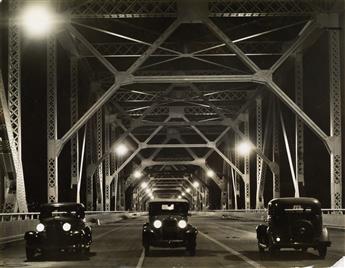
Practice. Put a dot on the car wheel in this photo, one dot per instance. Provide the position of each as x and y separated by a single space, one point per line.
322 251
147 250
30 253
192 251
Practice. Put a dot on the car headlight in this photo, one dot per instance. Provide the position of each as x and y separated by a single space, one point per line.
157 224
66 226
182 224
40 227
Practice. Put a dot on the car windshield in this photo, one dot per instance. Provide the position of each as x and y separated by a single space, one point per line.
168 208
60 211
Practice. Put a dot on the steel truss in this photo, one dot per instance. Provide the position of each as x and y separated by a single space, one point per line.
217 8
133 75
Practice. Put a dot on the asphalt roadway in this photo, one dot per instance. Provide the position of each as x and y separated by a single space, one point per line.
220 243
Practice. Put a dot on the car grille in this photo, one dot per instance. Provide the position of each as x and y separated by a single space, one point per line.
169 229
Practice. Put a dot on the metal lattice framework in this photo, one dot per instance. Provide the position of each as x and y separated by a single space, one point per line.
218 8
174 97
52 120
74 118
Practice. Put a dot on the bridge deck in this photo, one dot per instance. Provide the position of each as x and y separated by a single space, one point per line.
220 243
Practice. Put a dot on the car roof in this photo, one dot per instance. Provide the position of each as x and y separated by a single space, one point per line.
66 205
184 201
296 201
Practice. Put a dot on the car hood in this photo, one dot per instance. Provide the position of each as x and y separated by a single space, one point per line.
60 220
164 218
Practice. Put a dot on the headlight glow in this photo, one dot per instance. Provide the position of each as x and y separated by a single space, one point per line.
40 227
66 226
182 224
157 224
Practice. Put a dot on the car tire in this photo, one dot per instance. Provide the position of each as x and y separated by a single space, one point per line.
322 251
147 250
30 253
191 250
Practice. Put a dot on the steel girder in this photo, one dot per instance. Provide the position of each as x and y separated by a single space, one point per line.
52 120
299 127
74 117
335 118
217 8
127 49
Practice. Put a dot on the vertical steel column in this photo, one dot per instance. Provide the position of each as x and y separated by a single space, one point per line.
107 163
246 165
74 119
116 194
299 127
99 150
259 162
14 74
335 118
237 164
52 120
275 151
13 111
89 159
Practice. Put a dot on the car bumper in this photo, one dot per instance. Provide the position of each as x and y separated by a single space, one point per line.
298 245
56 242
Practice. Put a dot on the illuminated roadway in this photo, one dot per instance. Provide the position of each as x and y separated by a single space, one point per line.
220 243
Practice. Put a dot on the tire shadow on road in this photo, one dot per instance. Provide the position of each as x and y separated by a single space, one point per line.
62 257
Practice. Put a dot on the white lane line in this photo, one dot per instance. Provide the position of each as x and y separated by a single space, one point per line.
141 259
104 234
234 229
232 251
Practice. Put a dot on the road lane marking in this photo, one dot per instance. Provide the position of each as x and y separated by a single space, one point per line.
141 259
232 251
234 229
105 233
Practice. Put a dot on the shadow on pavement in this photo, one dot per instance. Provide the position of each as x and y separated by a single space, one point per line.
62 257
285 255
157 252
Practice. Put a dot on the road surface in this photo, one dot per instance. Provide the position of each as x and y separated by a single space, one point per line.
220 243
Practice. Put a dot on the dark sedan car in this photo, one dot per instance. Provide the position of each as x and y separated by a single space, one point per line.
293 223
168 226
62 227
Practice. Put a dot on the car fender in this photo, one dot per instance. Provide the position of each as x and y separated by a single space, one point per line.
261 232
324 235
30 236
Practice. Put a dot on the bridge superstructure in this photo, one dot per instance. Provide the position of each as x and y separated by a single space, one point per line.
181 84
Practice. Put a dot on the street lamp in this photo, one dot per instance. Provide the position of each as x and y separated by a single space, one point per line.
244 148
179 197
195 184
144 185
188 190
37 20
121 150
137 174
210 173
183 194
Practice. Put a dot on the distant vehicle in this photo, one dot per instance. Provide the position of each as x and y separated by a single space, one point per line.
62 227
168 226
293 223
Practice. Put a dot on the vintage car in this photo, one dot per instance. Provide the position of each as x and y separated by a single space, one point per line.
168 226
62 228
293 223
